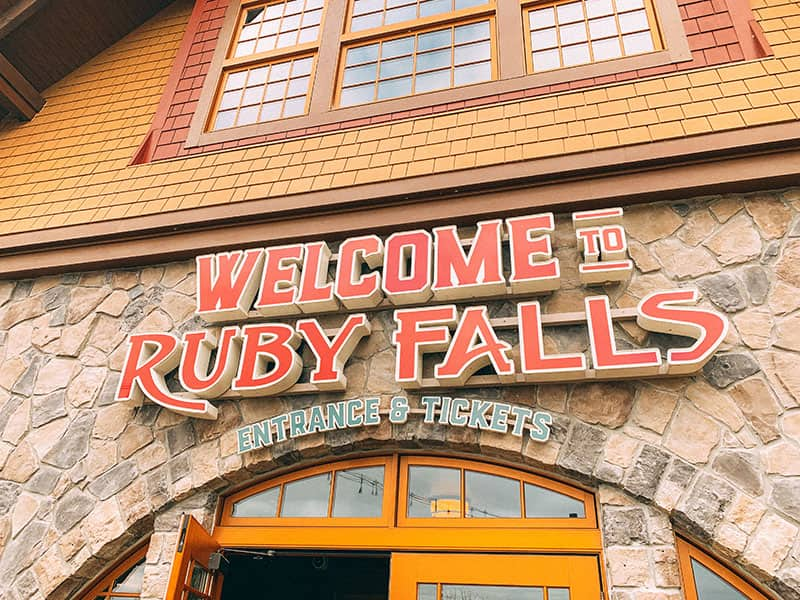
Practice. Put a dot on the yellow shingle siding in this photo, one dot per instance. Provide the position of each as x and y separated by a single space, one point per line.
70 164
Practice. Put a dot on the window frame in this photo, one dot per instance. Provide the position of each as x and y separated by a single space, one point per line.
688 552
98 590
513 75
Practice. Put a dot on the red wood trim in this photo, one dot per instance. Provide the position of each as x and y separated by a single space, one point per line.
144 153
759 37
742 16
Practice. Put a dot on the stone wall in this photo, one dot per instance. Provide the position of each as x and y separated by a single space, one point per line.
716 456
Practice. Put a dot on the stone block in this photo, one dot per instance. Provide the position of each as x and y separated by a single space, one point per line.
736 242
742 469
706 504
644 477
770 544
692 435
625 526
582 449
723 369
724 291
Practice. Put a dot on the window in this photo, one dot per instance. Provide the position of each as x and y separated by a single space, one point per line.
123 581
285 65
706 579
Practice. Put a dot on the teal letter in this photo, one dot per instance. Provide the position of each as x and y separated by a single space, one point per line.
398 412
280 427
243 436
354 420
477 417
298 423
262 434
336 415
456 417
500 417
521 414
540 430
444 415
371 411
430 403
316 420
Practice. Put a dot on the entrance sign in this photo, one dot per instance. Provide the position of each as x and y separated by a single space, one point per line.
413 273
366 412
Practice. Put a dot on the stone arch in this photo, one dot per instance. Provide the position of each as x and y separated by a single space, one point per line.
640 504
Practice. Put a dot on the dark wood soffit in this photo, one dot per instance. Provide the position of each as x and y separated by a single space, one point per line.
429 200
17 13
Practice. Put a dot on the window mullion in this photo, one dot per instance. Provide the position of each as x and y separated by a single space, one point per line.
328 58
510 42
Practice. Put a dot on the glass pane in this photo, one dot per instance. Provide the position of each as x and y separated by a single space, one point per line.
426 591
263 504
401 47
557 593
434 80
434 492
363 74
434 60
625 5
252 95
361 7
473 73
576 55
542 18
471 33
491 592
279 72
468 3
603 28
258 76
230 99
301 67
307 497
236 80
472 53
543 61
398 15
636 43
433 7
366 22
544 38
606 49
270 111
225 119
599 8
393 88
294 107
541 503
396 67
362 54
298 87
634 21
491 496
131 581
191 596
358 493
711 586
358 95
245 48
572 34
198 578
434 40
276 91
569 13
253 14
248 115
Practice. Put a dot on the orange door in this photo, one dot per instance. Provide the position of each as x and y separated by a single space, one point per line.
191 578
494 577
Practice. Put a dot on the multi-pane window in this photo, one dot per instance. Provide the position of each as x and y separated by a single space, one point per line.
269 67
414 64
311 62
706 579
579 32
414 47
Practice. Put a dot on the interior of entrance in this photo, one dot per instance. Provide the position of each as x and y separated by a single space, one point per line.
306 576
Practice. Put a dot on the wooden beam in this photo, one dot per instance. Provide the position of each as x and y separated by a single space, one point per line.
18 14
17 92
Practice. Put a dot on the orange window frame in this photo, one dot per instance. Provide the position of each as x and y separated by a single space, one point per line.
587 522
231 64
688 552
388 463
532 5
466 16
102 589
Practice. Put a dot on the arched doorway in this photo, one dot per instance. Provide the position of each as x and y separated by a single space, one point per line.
398 528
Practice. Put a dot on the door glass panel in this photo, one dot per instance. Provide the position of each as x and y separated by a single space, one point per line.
557 593
198 578
426 591
711 586
491 496
307 497
358 493
434 492
491 592
541 503
264 504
